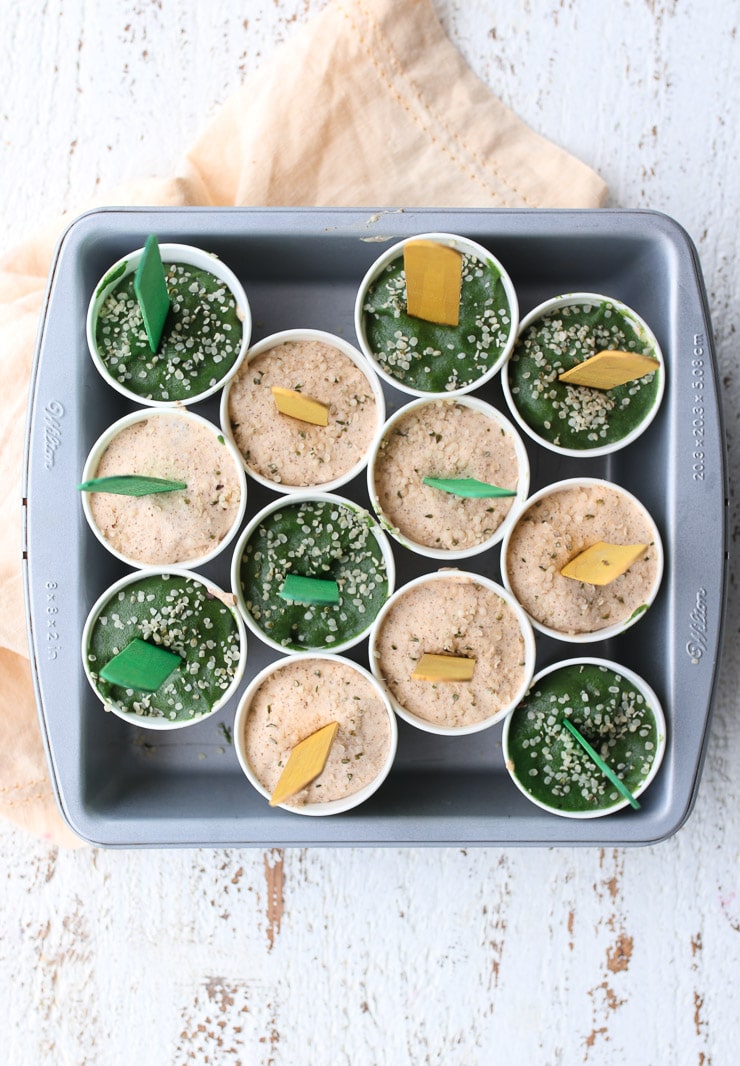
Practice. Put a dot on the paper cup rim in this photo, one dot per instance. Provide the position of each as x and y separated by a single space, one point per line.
660 722
170 252
530 650
568 300
338 806
461 244
618 627
145 721
296 500
96 453
351 352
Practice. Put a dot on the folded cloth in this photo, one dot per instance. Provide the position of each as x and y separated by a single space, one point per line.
369 104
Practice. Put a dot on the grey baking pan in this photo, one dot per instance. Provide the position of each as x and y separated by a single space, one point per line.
121 786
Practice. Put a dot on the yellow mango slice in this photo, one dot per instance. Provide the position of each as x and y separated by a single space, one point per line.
305 762
443 668
606 370
601 563
295 404
433 281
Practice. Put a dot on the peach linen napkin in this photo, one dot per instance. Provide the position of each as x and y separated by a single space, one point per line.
368 105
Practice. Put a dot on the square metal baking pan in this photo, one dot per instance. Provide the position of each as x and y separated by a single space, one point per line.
120 786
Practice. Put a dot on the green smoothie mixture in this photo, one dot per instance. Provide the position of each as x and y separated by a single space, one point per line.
315 539
180 615
609 712
433 357
575 416
199 345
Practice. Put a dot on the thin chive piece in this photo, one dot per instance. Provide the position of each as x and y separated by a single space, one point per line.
467 487
131 485
606 770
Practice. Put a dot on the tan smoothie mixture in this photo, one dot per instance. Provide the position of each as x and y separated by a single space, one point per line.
552 531
452 616
301 697
285 449
444 439
168 527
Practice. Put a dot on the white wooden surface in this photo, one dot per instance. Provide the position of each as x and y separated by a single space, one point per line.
404 955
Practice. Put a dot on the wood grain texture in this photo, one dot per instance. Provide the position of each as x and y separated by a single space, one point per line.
546 956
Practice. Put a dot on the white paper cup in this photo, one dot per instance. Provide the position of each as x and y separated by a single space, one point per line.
631 617
650 698
295 501
351 353
108 598
97 451
526 633
522 486
337 806
170 253
591 449
466 247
